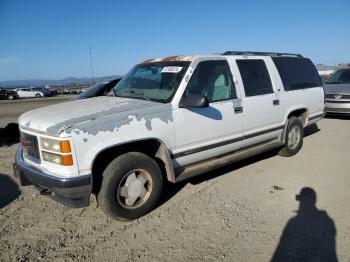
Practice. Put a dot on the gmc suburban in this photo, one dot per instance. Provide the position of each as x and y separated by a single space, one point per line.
168 119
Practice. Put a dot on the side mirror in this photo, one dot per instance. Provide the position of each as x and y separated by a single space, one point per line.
195 101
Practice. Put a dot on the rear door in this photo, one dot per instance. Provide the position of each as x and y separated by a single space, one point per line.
21 93
260 101
31 93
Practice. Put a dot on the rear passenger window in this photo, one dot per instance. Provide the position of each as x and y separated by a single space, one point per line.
256 78
213 80
297 73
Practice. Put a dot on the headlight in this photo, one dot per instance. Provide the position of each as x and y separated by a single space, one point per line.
55 145
49 148
64 160
49 157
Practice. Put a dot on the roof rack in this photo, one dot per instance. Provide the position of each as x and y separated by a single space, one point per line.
260 53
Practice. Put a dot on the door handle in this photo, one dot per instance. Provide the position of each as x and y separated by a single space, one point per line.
276 102
238 109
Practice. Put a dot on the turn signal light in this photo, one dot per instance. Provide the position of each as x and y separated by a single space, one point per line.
66 160
65 146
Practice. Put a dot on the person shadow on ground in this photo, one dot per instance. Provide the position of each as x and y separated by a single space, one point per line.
9 135
9 190
310 235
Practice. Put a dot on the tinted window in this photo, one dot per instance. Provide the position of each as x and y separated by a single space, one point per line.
212 79
340 77
256 78
345 77
297 73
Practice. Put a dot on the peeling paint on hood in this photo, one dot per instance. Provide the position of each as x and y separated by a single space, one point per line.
56 118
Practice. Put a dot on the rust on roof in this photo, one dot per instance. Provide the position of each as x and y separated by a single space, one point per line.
170 59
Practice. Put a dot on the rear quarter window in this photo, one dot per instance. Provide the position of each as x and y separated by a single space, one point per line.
297 73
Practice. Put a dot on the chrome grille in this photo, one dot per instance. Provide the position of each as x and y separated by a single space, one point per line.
337 110
335 96
31 146
345 96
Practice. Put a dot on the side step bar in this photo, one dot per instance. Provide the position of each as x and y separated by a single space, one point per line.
192 170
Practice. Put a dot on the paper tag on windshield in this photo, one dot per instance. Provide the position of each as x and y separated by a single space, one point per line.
172 69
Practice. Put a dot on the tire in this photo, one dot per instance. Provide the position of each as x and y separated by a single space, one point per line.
37 95
293 146
118 181
10 97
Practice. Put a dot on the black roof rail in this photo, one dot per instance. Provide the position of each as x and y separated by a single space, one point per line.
260 53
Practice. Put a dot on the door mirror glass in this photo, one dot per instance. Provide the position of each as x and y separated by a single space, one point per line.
195 101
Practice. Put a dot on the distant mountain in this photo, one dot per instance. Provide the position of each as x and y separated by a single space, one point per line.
321 67
64 81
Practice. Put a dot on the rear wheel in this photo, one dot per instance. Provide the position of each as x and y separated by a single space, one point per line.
131 186
294 137
37 95
10 97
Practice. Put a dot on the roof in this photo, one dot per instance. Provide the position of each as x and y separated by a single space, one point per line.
227 53
254 53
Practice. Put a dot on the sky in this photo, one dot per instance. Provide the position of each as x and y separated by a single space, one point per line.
50 39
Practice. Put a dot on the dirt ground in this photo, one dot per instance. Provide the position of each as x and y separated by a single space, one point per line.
236 213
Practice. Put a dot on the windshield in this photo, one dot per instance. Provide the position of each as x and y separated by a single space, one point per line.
152 81
340 77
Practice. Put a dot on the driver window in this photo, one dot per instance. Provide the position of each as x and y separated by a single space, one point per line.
212 79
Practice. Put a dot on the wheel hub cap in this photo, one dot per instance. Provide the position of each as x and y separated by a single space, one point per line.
294 137
134 189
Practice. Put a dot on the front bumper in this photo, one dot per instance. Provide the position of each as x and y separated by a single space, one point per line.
72 192
337 107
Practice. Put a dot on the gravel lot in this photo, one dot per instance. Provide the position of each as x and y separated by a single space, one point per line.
236 213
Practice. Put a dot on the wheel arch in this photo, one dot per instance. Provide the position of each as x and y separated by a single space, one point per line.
300 112
152 147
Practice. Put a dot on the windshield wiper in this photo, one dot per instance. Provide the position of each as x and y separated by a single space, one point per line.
140 95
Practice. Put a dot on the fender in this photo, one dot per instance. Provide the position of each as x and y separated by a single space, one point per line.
161 152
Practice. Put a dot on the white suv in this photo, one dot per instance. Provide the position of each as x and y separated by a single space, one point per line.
169 119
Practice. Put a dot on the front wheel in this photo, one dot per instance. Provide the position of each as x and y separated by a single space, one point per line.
131 186
294 138
10 97
37 95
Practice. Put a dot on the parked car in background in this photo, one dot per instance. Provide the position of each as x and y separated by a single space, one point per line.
45 91
337 91
169 119
29 92
62 91
98 89
8 94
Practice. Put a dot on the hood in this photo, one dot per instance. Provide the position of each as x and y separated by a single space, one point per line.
56 118
342 89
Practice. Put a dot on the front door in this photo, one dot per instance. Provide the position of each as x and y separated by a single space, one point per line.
203 133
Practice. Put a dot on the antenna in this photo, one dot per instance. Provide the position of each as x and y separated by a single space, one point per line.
92 69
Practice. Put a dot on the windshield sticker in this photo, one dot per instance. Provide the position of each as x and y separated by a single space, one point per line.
172 69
